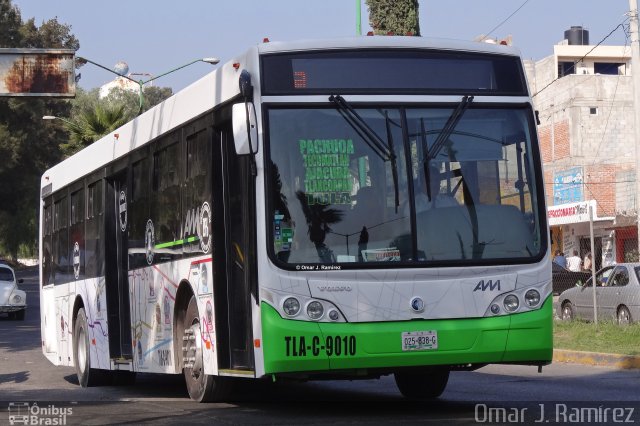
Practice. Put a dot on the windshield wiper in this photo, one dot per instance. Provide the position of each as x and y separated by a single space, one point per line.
449 127
386 152
442 138
369 135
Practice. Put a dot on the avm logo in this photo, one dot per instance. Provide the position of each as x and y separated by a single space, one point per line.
490 285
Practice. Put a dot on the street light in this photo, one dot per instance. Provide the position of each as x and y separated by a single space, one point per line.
141 82
64 120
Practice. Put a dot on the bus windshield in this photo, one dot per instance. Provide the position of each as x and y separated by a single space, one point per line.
414 185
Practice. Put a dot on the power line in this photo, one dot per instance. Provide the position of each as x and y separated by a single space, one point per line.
584 79
620 25
507 18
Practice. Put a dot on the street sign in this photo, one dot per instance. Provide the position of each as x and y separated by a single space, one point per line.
37 72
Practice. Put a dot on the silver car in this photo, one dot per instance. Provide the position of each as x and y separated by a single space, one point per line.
617 296
12 300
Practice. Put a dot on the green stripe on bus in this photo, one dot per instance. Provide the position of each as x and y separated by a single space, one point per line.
176 243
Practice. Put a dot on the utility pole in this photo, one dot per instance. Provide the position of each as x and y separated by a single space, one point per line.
358 17
635 74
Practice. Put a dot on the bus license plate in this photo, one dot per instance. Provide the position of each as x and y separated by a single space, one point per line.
419 340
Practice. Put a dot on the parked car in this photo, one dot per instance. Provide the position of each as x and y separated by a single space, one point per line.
12 300
617 296
564 279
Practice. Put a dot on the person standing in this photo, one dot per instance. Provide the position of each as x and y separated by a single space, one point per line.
587 263
560 259
574 262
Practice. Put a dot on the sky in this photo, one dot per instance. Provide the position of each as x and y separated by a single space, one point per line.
155 36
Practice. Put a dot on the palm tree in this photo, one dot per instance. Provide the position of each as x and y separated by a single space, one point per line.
93 123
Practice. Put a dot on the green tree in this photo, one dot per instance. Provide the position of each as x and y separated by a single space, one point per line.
151 96
397 17
93 117
91 124
27 145
11 23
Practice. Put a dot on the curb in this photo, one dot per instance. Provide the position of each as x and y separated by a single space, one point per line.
595 358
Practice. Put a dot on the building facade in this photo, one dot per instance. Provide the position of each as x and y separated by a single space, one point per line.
584 96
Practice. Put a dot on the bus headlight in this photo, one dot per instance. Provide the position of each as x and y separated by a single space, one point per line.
301 307
291 306
315 310
511 303
532 298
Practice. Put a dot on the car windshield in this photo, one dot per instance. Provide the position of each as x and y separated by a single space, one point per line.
6 274
602 277
383 184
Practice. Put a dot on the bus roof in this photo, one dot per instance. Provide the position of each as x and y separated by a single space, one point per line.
386 42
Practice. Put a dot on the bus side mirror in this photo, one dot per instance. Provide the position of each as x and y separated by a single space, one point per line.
244 127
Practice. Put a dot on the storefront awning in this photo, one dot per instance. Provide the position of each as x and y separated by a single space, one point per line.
565 214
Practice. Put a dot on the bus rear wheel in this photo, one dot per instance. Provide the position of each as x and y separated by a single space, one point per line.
423 384
87 376
201 387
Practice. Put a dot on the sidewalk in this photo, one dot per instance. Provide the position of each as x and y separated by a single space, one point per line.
595 358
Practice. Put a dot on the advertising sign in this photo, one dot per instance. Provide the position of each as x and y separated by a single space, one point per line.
37 72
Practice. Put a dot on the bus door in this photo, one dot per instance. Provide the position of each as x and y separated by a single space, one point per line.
50 323
116 266
234 254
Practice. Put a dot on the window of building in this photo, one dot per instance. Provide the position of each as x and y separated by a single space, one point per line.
607 68
566 68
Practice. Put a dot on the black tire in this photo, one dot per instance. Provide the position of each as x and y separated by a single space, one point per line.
567 313
19 315
425 384
201 387
624 316
87 376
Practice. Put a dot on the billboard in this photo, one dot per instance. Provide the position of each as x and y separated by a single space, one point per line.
37 72
568 186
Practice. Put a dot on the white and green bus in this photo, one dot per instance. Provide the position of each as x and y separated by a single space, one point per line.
315 209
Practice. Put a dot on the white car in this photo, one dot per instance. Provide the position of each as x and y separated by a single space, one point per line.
12 300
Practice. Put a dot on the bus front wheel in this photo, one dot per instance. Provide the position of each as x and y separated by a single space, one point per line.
423 384
87 376
201 387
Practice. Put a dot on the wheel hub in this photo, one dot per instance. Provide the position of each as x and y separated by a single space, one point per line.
192 350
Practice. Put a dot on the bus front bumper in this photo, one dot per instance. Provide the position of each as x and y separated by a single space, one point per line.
292 346
5 309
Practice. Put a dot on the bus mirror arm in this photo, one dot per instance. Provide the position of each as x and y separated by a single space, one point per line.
244 82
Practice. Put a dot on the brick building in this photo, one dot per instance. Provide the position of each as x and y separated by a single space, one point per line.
584 95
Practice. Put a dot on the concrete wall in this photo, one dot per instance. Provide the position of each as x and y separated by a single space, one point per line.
587 121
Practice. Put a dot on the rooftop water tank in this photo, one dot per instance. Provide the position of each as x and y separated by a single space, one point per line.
577 35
